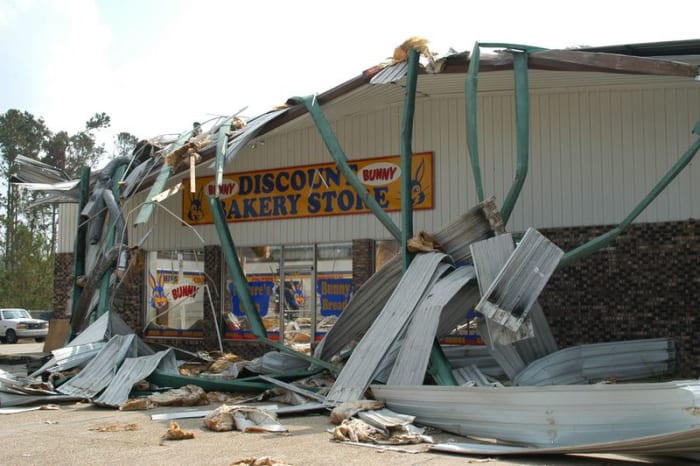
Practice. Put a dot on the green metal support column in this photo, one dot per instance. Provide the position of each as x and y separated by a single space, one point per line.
80 238
103 305
221 144
160 182
341 161
240 284
406 155
235 270
522 122
470 91
603 240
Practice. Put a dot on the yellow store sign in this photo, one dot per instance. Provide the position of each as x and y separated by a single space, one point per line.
309 190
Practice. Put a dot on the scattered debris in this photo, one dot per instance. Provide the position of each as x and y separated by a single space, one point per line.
117 428
262 461
242 418
175 433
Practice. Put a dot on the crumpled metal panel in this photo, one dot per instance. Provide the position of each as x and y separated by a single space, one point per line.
414 353
472 355
551 416
513 292
69 357
131 371
251 130
682 443
100 371
390 74
357 373
615 361
480 222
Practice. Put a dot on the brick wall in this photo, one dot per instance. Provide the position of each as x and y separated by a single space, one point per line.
62 285
645 284
362 261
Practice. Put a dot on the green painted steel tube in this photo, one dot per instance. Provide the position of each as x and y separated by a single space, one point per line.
221 143
341 161
158 185
409 110
241 286
235 270
80 238
471 85
603 240
522 121
103 304
440 367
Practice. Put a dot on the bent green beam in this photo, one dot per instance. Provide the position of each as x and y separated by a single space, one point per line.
103 304
161 181
240 284
341 161
440 367
470 91
603 240
221 143
80 239
522 122
406 154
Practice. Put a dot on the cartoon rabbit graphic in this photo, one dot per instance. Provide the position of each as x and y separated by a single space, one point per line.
159 300
195 212
417 193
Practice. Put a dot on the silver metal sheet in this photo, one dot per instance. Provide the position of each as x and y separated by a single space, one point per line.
616 361
131 371
69 357
480 222
680 443
477 355
520 281
100 371
551 416
414 353
471 376
357 373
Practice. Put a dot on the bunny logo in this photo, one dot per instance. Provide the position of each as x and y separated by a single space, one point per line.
159 301
417 192
195 213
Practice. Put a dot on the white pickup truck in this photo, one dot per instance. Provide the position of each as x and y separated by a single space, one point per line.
18 323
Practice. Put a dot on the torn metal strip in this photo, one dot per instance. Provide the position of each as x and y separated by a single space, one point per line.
520 281
359 369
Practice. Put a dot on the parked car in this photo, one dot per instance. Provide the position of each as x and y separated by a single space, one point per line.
18 323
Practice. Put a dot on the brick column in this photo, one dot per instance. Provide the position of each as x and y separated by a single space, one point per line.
213 268
62 285
129 294
362 261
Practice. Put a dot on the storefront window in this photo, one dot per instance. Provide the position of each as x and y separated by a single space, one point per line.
175 304
316 288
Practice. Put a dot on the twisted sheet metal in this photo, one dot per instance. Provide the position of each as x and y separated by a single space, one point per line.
358 371
480 222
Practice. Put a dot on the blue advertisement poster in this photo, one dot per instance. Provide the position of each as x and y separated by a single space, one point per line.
260 291
335 294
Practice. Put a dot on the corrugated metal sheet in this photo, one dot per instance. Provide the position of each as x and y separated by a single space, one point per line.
684 444
69 356
476 224
100 371
520 281
409 365
389 324
472 355
595 152
67 228
608 361
550 416
131 371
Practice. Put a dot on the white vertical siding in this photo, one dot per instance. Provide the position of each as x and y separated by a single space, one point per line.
67 228
594 154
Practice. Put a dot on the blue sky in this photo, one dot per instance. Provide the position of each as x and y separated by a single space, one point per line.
155 66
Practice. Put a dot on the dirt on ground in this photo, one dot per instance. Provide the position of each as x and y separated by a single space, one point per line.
81 433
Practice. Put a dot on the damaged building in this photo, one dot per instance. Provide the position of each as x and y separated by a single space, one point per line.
601 127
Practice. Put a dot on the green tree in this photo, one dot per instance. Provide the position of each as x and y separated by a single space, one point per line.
20 134
124 144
